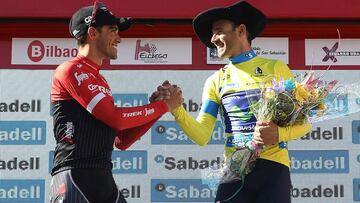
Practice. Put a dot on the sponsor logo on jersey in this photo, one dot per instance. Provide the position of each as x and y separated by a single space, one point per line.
80 77
100 88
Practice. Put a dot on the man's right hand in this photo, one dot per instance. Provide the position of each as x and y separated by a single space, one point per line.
175 99
170 94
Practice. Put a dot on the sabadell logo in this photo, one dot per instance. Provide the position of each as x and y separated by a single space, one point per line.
37 51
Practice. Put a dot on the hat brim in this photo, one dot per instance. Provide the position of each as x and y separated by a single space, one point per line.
239 13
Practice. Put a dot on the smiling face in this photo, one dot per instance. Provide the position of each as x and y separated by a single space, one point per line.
228 38
107 41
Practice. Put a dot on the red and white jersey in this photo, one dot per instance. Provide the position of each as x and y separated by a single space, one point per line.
86 121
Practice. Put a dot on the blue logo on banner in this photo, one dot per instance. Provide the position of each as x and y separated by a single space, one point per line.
356 132
356 189
129 100
319 161
180 190
19 191
22 132
128 162
124 162
168 132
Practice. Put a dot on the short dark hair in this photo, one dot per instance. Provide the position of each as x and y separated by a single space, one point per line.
81 41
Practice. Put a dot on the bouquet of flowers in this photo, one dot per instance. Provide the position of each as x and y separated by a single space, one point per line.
286 103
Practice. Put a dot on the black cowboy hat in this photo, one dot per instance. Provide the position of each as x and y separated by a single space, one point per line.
239 13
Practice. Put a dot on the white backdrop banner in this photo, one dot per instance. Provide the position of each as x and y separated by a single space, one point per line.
333 52
164 165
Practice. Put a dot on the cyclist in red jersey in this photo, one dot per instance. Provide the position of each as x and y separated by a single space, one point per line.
86 121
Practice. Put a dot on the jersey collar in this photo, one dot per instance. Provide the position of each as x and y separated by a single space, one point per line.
88 62
243 57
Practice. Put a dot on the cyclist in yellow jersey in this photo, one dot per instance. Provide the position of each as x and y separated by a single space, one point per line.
231 30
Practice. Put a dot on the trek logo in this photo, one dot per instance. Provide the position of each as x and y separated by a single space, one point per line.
356 183
189 163
32 163
22 132
147 51
17 106
80 77
129 162
319 161
331 53
146 112
37 51
356 131
130 100
21 191
180 190
169 133
333 191
124 162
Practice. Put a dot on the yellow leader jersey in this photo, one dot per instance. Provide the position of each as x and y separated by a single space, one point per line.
229 92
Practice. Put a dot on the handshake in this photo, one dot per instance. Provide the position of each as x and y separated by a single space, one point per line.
170 94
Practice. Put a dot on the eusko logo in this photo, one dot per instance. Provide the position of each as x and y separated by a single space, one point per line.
130 100
22 132
36 51
319 161
180 190
21 191
169 133
332 52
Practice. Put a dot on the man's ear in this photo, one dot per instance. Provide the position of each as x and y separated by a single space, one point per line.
92 33
242 29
